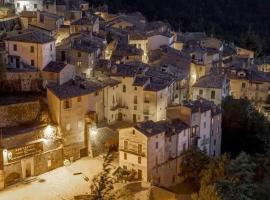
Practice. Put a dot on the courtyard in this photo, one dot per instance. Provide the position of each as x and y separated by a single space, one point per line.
60 184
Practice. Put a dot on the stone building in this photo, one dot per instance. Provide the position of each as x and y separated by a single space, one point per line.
76 106
250 84
213 87
28 5
153 150
30 146
204 118
32 48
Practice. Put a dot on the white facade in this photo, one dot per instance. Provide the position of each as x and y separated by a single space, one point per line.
29 5
156 41
33 54
154 158
134 104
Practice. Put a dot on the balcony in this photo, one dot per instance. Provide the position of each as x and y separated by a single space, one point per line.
146 101
146 112
114 108
131 151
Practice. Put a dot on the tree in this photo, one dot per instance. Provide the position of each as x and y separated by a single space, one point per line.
102 183
243 128
193 162
226 179
215 171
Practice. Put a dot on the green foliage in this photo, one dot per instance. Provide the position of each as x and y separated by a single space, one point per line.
243 128
193 162
102 184
226 179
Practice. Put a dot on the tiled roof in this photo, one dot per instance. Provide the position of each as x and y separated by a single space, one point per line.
201 105
170 127
74 88
211 81
31 36
55 67
84 21
79 87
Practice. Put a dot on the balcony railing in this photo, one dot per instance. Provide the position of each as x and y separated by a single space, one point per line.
142 154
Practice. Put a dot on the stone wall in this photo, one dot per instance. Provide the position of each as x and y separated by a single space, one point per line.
19 113
48 161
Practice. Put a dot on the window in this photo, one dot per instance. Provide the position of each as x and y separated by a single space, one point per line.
80 124
135 100
200 92
156 160
35 5
139 148
68 127
173 179
15 47
32 49
243 85
135 88
18 5
32 62
156 145
215 141
125 156
79 99
79 54
51 47
79 63
213 94
184 147
124 88
67 104
139 160
125 145
135 107
133 132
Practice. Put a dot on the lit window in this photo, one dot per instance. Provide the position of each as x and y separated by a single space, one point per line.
68 127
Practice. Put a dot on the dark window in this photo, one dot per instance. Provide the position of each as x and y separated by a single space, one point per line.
15 47
156 145
139 160
213 94
124 88
32 49
32 62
